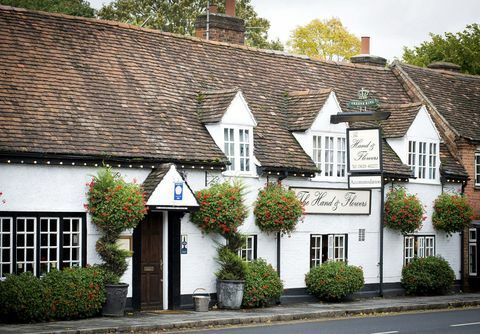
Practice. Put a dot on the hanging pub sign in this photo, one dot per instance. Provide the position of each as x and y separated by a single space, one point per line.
364 151
363 102
334 201
364 181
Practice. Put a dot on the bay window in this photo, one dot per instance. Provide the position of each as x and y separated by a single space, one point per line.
40 242
423 159
329 155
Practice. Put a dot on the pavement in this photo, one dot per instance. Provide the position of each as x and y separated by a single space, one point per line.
167 320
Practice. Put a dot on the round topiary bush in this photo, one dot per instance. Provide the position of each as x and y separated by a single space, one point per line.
333 281
277 209
403 212
427 276
262 284
451 213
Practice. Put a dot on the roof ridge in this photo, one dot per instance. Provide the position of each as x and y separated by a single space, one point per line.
122 25
401 105
219 91
439 71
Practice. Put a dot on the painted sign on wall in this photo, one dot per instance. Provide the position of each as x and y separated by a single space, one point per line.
364 150
334 201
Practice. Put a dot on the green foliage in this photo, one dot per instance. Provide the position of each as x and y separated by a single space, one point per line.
221 208
277 209
462 48
427 276
69 294
333 281
74 292
179 17
232 267
262 284
70 7
326 40
115 206
451 213
22 299
403 212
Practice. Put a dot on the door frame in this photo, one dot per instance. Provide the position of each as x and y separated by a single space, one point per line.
171 260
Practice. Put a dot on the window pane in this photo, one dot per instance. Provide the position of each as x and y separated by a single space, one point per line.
244 150
26 245
412 156
409 249
317 151
229 147
432 161
48 243
472 259
341 157
477 168
6 240
247 252
72 242
422 160
329 153
315 250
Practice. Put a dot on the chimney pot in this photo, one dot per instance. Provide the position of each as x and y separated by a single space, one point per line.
213 9
365 46
230 7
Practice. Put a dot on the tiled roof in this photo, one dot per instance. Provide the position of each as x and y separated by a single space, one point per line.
88 87
392 164
456 96
212 105
302 108
450 167
154 178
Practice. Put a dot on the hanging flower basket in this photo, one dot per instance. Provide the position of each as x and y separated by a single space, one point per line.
403 212
277 209
221 208
451 213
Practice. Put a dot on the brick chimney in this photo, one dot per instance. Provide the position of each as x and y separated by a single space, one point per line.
444 66
365 57
221 27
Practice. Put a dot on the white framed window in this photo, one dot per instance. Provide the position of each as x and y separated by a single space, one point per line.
423 159
71 242
26 244
477 169
49 241
330 156
418 246
327 247
40 242
472 252
229 146
249 250
6 241
238 147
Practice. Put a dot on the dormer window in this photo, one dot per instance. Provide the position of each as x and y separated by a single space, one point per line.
237 148
329 155
423 159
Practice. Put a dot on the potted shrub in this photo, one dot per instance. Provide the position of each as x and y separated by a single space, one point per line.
427 276
115 206
333 281
277 209
222 211
403 212
451 213
262 284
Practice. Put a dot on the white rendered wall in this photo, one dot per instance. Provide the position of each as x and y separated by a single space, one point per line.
42 188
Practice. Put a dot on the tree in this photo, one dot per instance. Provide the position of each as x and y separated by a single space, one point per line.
461 48
327 40
179 17
70 7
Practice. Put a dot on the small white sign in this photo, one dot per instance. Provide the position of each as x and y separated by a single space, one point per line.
334 201
365 181
364 150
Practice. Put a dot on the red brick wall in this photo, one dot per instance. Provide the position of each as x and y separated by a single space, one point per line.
221 35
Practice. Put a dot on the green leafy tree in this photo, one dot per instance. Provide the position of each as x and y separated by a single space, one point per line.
327 40
70 7
179 17
462 48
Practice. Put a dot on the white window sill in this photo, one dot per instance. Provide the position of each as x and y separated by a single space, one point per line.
425 181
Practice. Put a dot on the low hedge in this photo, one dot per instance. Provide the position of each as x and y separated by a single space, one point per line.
427 276
69 294
262 284
333 281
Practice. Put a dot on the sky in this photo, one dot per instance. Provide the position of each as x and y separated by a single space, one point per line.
391 24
